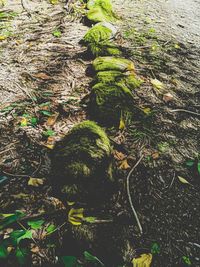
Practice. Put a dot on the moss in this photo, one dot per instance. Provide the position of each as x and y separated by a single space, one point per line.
97 34
113 63
100 10
109 102
83 157
104 49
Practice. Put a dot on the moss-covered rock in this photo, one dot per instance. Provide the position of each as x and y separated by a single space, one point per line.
100 10
104 49
82 158
113 63
109 102
128 79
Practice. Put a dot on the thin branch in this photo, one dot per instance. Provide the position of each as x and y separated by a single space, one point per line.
184 110
129 194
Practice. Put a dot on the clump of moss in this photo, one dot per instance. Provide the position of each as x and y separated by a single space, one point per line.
98 40
109 102
83 158
100 10
113 63
127 79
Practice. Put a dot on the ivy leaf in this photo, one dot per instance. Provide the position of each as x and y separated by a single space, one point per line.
142 260
3 250
155 248
190 162
33 121
198 167
89 257
186 260
35 224
51 228
69 261
18 235
21 255
6 219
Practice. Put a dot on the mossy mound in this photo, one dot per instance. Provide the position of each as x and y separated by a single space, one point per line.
100 10
110 102
83 158
113 63
98 40
110 77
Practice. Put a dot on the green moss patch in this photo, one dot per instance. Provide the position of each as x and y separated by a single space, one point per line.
100 10
83 157
98 40
113 63
127 79
109 102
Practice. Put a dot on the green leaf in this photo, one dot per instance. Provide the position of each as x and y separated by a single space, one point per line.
190 162
21 255
198 167
3 179
18 235
49 133
57 33
89 257
35 224
3 251
6 219
186 260
51 228
155 248
33 121
46 113
69 261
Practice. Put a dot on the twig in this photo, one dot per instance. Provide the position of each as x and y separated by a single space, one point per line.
129 195
184 110
172 181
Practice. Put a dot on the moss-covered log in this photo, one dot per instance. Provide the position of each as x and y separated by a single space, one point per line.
81 162
113 63
98 40
128 79
110 102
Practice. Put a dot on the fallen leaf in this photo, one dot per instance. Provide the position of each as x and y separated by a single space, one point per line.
121 124
2 37
53 2
168 97
155 155
119 155
35 181
35 249
24 122
177 46
51 120
147 111
144 260
124 165
42 75
157 84
75 216
183 180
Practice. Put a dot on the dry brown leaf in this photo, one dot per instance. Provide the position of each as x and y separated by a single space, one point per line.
124 165
119 155
35 249
51 120
155 155
168 97
35 181
42 75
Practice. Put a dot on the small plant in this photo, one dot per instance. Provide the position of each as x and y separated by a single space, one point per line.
194 163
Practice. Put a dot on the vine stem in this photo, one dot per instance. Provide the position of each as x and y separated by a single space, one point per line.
129 194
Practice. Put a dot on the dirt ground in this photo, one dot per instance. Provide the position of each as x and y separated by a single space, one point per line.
42 75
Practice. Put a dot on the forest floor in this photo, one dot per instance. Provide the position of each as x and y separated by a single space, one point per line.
42 81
